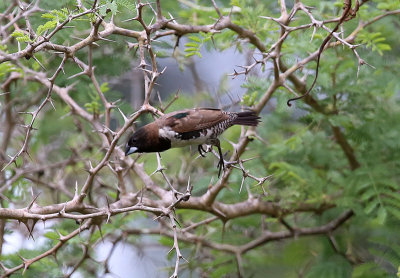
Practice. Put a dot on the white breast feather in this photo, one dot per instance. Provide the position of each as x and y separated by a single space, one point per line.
167 132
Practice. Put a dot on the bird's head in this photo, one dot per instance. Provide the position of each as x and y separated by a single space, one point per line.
145 140
138 142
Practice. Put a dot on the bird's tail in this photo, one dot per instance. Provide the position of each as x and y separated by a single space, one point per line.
247 118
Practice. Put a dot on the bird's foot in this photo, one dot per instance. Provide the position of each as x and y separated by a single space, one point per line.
201 150
221 165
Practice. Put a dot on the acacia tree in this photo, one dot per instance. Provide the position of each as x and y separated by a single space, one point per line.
323 185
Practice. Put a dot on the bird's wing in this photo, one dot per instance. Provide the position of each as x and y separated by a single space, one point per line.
194 119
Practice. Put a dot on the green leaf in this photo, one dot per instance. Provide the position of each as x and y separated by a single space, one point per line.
192 44
103 10
190 49
381 216
49 16
47 26
104 87
195 38
52 235
21 36
6 68
371 206
250 99
113 7
384 46
17 34
127 4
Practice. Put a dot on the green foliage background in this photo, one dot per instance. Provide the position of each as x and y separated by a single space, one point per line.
307 164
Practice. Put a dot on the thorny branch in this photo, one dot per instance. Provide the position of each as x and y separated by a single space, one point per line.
157 197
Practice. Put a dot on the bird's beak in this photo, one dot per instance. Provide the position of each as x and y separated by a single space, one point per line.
129 150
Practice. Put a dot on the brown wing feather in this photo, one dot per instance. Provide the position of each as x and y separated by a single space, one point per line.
193 119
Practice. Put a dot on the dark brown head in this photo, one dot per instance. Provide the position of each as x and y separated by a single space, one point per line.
145 140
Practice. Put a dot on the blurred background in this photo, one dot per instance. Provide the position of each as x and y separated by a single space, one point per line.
305 147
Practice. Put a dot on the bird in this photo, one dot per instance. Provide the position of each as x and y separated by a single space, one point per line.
181 128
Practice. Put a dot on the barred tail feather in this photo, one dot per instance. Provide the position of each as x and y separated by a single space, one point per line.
249 118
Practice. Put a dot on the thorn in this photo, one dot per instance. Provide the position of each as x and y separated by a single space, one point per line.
130 19
22 258
170 250
37 61
108 211
101 233
212 39
79 221
55 256
76 194
3 267
183 258
219 212
22 112
160 169
115 102
151 21
62 238
142 66
263 179
75 38
131 45
241 185
30 230
248 159
312 36
26 266
52 104
172 18
33 201
78 74
355 46
25 151
108 130
360 63
123 115
104 39
62 211
111 168
27 126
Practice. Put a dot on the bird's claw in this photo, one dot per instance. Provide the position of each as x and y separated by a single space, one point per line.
201 150
220 166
